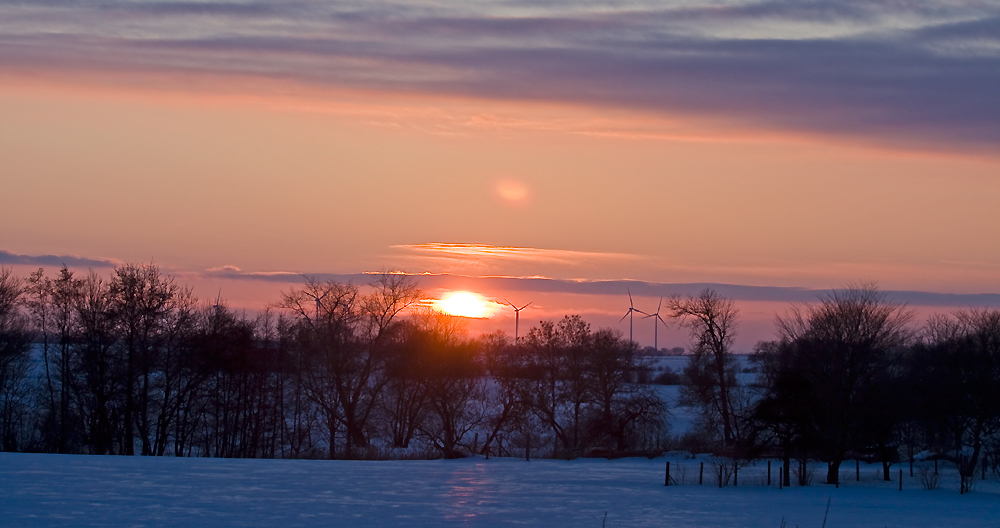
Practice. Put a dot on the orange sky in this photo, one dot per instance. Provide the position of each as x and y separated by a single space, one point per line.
264 185
281 172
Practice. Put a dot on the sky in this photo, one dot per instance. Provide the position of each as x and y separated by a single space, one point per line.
644 147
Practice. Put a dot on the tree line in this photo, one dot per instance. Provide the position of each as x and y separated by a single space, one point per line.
133 364
849 377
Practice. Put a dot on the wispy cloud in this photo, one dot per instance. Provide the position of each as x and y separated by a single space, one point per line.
917 72
489 255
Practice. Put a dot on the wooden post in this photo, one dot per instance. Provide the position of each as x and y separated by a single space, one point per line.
781 476
475 444
768 472
666 479
720 476
527 450
857 470
900 479
736 476
487 449
701 473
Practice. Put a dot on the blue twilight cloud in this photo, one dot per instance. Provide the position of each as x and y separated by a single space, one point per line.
921 73
7 257
618 288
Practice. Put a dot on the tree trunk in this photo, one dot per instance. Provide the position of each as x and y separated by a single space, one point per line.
833 472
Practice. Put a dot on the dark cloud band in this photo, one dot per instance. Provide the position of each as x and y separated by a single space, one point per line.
920 73
7 257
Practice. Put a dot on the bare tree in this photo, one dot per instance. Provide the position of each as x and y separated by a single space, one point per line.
142 298
711 372
346 340
95 362
848 349
509 399
956 387
65 293
14 350
453 379
624 410
39 302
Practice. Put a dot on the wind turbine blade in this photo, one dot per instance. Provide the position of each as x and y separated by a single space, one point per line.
629 297
658 306
525 306
624 316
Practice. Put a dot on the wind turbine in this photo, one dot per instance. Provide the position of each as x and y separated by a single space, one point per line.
631 310
656 324
318 299
517 316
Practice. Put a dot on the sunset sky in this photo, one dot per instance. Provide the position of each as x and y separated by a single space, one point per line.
599 147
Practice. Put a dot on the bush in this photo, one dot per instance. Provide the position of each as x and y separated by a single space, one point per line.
668 377
929 478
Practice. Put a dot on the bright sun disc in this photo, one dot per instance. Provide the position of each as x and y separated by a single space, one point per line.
465 304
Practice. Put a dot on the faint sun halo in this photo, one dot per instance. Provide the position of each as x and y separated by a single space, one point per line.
512 192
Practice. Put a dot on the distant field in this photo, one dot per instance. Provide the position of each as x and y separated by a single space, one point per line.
60 490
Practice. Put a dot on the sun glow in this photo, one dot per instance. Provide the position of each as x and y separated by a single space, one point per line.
465 304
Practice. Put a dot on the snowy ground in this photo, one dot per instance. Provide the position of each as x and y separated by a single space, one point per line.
56 490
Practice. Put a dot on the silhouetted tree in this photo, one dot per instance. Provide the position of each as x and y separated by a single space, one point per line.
623 408
453 379
141 299
14 364
710 376
956 387
847 351
38 299
96 365
509 398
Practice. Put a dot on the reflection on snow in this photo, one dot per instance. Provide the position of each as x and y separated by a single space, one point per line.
467 492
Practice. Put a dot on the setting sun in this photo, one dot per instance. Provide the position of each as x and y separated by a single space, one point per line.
465 304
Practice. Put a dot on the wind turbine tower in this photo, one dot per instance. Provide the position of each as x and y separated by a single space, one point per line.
631 311
517 316
318 299
656 324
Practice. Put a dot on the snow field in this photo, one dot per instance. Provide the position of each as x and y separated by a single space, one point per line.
67 490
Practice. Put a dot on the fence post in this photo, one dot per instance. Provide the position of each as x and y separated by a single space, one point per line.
701 473
736 476
900 479
769 472
857 470
666 479
781 475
